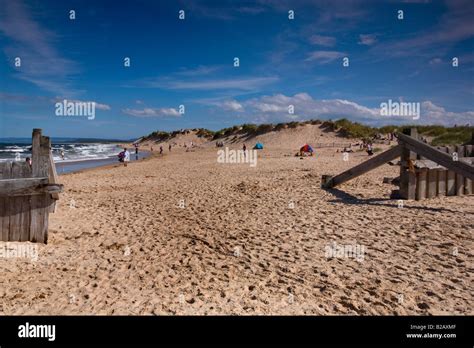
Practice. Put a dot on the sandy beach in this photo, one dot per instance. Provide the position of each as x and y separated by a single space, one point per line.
179 233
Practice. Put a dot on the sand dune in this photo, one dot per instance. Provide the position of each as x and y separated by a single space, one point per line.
246 241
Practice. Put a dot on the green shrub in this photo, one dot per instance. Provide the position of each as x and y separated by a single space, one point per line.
388 129
204 133
249 128
264 128
280 126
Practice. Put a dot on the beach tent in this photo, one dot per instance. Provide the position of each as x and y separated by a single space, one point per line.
258 146
307 148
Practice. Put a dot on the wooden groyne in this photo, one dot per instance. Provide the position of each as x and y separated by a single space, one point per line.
425 171
28 193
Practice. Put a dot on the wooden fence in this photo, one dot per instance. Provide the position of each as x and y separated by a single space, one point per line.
425 171
434 180
324 145
28 193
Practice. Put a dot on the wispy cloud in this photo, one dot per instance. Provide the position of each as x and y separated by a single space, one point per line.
227 105
436 61
152 112
453 27
251 10
243 83
221 10
98 105
42 64
321 40
324 57
367 39
199 71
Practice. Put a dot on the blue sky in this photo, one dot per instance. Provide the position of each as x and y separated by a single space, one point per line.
190 62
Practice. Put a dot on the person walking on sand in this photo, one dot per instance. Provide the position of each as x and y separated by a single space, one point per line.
126 157
136 153
161 150
169 147
244 147
370 151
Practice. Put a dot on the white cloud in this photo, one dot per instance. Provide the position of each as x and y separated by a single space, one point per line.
199 71
274 108
102 106
321 40
435 61
245 83
367 39
231 105
325 57
152 112
436 114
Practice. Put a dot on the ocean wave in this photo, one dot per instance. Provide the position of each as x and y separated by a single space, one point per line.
63 152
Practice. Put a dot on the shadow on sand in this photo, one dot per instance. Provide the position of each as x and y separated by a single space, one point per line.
346 198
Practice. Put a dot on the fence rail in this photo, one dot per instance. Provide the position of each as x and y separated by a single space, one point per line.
425 171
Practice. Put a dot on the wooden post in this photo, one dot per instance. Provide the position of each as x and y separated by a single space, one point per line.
5 205
25 194
53 179
460 178
39 203
442 182
35 154
432 183
450 176
468 182
407 173
421 184
364 167
459 167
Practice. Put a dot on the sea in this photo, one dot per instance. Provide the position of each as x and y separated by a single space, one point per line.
77 155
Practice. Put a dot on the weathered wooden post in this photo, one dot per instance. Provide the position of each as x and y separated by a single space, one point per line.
459 178
28 193
468 182
407 170
450 176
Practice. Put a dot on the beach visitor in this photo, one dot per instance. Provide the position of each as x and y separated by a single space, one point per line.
126 157
169 147
369 149
121 156
161 150
28 160
62 154
136 153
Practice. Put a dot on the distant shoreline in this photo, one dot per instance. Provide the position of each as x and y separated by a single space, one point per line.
64 168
